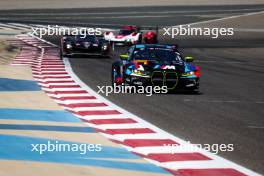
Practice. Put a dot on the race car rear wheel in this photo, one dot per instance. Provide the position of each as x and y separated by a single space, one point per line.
139 39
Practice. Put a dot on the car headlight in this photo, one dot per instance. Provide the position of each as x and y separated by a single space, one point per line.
105 47
68 46
140 73
191 73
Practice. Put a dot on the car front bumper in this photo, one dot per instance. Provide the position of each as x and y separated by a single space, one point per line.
172 83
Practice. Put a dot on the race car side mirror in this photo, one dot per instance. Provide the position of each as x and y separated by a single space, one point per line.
188 59
123 56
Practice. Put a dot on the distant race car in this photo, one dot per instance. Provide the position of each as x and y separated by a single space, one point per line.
84 45
129 35
156 65
150 37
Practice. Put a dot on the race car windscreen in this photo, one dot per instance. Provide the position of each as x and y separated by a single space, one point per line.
87 38
160 55
125 32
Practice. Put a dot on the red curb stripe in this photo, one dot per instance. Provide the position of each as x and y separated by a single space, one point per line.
37 65
55 60
127 131
46 69
96 112
75 98
67 92
170 157
47 59
63 86
206 172
47 82
42 66
53 77
49 73
51 64
147 142
110 121
78 105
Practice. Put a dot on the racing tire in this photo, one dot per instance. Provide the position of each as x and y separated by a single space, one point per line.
112 76
139 39
115 68
62 55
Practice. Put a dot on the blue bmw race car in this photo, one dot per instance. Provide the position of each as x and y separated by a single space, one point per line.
156 65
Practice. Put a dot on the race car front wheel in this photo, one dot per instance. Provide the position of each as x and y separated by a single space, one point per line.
116 75
64 54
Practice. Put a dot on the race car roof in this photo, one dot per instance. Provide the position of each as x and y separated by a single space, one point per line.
144 46
129 27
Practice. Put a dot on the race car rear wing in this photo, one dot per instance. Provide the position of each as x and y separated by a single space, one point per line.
143 29
148 28
72 35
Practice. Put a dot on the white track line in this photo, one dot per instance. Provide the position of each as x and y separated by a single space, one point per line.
221 19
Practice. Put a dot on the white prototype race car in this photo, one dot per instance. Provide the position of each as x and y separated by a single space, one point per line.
127 35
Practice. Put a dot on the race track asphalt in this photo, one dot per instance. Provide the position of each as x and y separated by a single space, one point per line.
229 109
118 16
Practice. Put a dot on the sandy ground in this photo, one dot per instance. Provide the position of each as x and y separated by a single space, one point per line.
39 4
